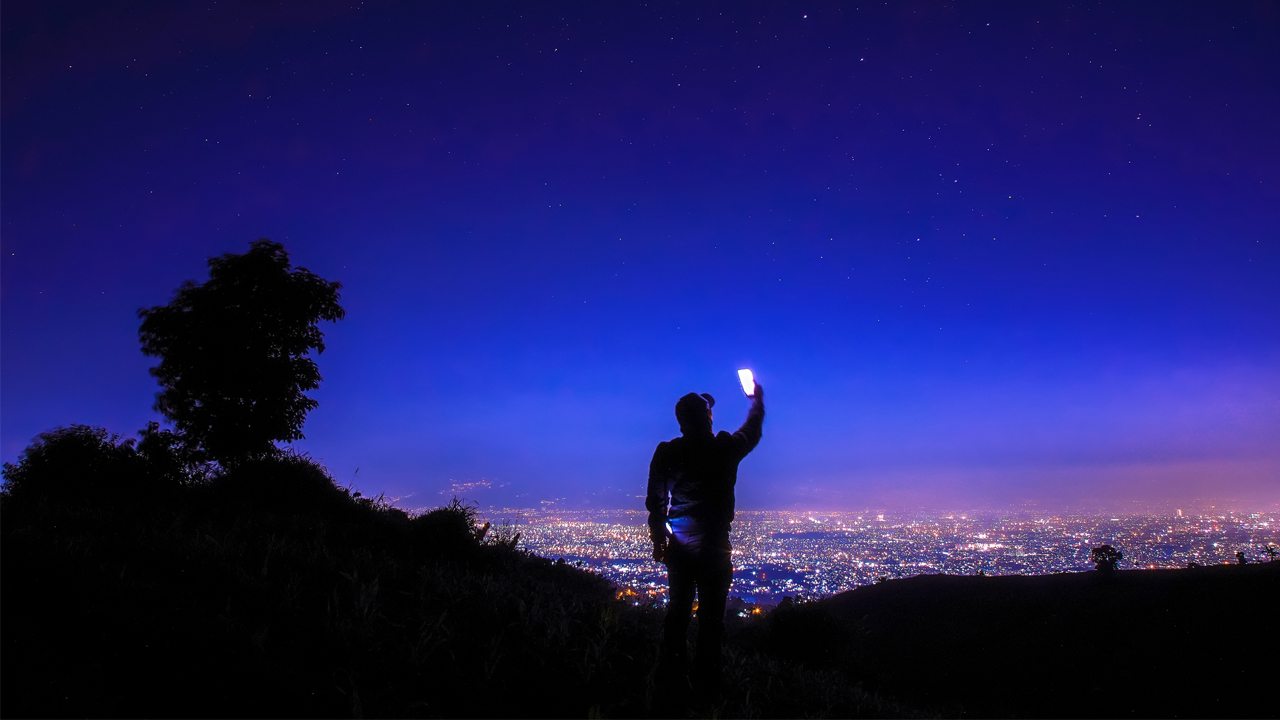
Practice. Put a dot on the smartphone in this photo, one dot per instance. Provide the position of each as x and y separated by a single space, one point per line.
748 382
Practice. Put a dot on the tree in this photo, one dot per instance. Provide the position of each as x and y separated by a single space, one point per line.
1106 558
233 352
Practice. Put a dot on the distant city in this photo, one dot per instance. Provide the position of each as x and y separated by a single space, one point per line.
810 555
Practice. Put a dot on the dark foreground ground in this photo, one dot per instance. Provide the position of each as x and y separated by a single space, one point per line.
1201 642
270 592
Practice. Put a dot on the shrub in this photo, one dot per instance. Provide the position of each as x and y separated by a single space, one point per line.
76 462
290 482
446 531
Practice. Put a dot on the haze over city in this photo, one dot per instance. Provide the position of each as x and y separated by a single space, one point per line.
815 554
980 256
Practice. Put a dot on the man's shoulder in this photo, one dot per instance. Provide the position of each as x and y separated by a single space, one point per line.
667 445
736 443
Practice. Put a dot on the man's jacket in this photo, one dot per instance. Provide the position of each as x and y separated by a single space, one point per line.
691 481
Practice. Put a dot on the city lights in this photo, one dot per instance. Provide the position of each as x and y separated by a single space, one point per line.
807 554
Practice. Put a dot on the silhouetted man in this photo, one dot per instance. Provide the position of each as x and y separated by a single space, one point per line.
690 503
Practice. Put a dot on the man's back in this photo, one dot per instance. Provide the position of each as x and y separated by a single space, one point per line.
692 478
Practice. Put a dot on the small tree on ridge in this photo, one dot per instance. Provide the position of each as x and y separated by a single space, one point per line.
1106 558
233 351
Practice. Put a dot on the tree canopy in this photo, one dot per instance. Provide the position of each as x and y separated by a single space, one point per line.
1106 557
233 351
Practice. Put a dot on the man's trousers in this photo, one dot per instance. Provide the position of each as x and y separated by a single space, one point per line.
707 570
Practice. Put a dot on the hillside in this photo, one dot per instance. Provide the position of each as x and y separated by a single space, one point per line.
1140 643
268 591
271 592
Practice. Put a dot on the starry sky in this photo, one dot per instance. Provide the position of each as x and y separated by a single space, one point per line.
978 254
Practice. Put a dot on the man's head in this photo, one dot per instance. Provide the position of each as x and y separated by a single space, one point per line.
693 411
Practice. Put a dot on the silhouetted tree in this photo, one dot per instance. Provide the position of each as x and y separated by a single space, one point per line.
165 453
1271 552
233 352
1241 559
1106 558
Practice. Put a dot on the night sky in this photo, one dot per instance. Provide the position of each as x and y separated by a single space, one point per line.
978 254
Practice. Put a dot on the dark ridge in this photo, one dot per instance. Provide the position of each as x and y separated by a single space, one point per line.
268 591
1199 642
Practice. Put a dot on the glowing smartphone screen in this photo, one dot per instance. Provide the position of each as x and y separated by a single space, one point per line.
748 382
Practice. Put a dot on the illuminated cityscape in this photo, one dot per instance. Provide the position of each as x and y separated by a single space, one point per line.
798 554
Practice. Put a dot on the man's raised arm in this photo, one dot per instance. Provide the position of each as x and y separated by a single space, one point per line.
748 436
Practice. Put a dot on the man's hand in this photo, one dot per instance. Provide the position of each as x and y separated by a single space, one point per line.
660 550
757 396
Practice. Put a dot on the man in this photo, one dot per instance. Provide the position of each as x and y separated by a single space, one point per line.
690 503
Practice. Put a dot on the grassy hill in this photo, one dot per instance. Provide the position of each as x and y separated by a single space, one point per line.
269 591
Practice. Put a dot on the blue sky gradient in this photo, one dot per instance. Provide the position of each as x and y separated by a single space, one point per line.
978 255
